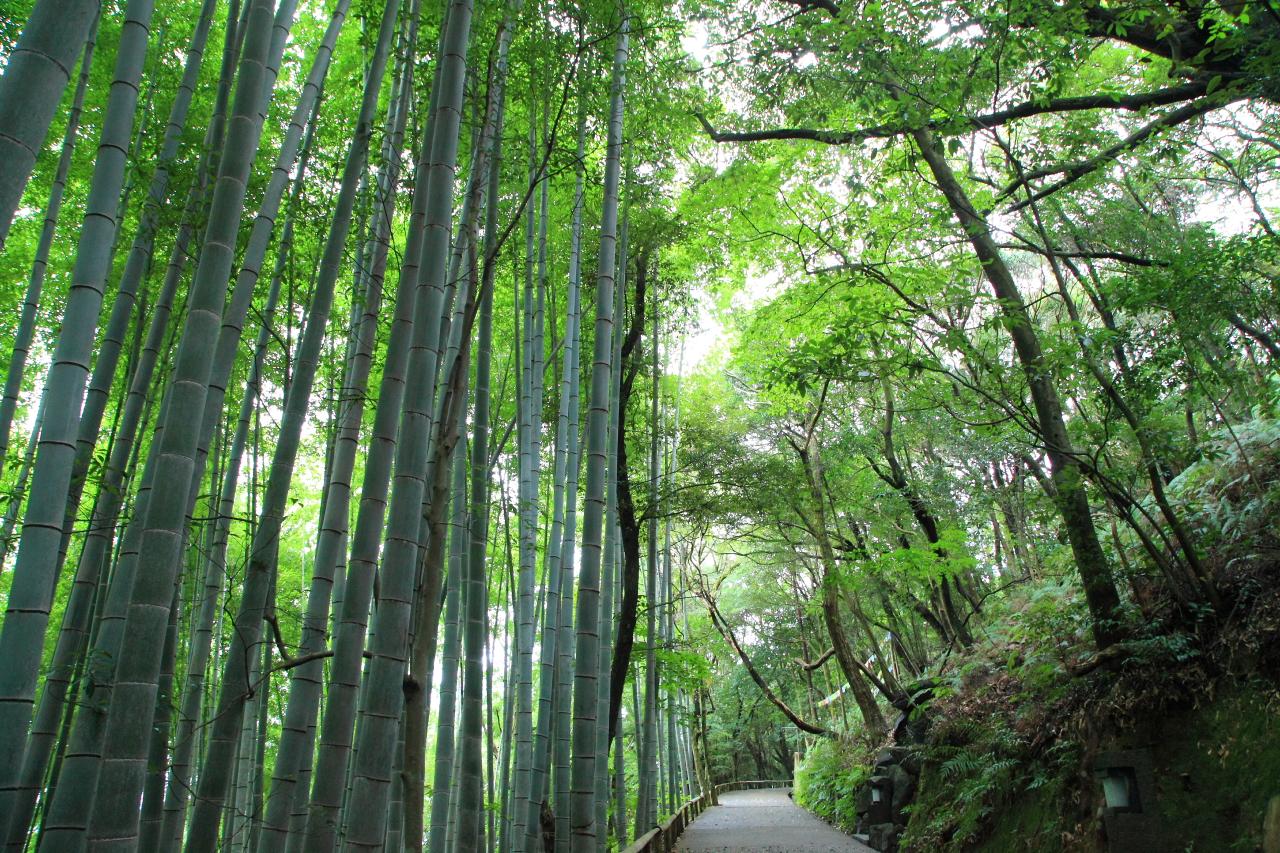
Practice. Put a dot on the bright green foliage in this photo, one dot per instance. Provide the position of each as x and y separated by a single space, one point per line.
827 782
946 349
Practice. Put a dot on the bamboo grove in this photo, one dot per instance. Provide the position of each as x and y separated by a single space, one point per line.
339 240
367 481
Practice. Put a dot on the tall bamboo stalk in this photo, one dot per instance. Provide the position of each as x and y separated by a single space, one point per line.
389 644
332 761
36 566
254 600
35 75
611 557
646 808
31 301
111 342
532 759
471 796
587 657
442 789
114 817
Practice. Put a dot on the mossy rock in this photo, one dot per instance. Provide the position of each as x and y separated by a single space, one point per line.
1217 769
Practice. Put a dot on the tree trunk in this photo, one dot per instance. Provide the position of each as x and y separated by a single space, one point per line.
1073 503
389 645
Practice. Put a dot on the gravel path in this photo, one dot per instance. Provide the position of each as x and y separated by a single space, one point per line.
764 821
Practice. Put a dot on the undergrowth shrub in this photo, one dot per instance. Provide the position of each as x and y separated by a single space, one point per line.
828 778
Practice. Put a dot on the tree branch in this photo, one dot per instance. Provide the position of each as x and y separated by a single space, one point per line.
964 124
725 631
810 666
1072 172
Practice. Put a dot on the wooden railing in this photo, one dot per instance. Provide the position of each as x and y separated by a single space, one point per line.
662 838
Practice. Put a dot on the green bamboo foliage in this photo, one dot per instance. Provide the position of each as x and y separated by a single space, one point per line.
160 715
35 570
35 76
19 489
587 657
39 266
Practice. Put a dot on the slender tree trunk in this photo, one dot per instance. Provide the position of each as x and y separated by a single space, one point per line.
389 646
533 761
254 602
1073 502
564 652
114 816
111 343
647 759
91 569
333 759
471 797
610 557
157 756
254 255
628 609
442 790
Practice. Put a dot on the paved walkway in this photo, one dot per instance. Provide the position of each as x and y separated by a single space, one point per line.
764 821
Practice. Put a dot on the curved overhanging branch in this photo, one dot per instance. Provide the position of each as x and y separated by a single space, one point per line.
727 632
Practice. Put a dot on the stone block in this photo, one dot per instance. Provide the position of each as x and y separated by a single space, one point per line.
883 837
880 810
862 800
904 791
1134 828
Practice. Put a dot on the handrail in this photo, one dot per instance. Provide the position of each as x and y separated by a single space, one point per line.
662 838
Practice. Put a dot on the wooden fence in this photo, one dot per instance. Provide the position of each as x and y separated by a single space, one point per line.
662 838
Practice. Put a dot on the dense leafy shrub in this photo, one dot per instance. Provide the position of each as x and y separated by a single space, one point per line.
828 778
